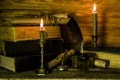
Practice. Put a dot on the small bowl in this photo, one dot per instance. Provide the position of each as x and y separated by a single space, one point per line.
62 68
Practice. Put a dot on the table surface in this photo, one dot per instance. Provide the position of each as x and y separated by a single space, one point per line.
95 73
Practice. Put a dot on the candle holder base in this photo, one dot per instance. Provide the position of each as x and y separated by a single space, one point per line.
94 45
41 72
94 41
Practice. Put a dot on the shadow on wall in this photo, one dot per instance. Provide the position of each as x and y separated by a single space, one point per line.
103 29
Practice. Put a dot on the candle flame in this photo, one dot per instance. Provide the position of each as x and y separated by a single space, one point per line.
94 8
41 23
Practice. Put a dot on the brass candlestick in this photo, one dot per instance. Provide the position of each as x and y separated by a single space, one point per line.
43 36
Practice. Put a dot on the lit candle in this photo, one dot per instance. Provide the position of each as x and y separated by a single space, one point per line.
94 17
42 41
42 29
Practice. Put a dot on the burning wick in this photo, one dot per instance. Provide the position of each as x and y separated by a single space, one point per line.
41 25
94 8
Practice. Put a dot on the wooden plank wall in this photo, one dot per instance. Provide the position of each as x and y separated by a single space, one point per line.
21 33
81 10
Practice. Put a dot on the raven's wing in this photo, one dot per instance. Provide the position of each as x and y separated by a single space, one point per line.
75 32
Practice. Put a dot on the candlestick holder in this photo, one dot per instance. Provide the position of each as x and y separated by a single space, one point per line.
43 37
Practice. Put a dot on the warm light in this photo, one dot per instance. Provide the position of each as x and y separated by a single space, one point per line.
94 8
41 23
